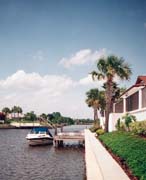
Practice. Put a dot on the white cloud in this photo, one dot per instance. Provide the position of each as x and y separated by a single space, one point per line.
21 81
33 91
88 81
49 93
81 57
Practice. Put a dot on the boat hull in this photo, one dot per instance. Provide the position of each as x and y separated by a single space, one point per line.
39 136
42 141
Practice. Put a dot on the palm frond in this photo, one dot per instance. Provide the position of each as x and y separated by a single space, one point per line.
94 75
102 65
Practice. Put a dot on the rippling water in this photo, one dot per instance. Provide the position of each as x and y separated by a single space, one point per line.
18 161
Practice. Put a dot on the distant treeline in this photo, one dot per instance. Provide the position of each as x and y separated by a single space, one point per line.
57 118
15 114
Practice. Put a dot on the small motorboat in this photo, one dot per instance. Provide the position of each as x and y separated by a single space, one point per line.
39 136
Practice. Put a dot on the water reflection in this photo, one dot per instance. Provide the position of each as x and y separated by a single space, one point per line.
20 161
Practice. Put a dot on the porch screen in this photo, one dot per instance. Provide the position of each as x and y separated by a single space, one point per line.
119 106
132 102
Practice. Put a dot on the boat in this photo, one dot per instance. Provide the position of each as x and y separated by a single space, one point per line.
39 136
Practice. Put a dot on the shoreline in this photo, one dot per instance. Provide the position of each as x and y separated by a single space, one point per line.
7 126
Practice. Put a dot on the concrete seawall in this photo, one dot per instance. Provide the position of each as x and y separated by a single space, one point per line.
99 163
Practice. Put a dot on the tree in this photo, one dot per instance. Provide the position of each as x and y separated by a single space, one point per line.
14 110
6 111
95 99
102 102
30 116
56 114
116 92
44 116
18 110
57 118
50 117
109 68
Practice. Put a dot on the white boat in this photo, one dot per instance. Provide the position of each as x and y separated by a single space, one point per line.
39 136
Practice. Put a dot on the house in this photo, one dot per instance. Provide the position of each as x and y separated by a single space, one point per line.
132 101
2 118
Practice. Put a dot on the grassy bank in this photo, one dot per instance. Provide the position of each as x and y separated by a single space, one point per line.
130 149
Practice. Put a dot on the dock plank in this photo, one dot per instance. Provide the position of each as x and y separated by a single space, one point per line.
63 136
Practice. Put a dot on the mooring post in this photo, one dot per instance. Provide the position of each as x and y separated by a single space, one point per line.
59 143
55 130
62 128
54 143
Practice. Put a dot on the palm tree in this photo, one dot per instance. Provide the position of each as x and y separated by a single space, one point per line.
108 69
14 111
19 110
6 111
116 92
102 102
95 100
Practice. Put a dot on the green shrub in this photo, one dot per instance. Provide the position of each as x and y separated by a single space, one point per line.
120 126
7 121
129 148
100 132
138 128
125 125
128 119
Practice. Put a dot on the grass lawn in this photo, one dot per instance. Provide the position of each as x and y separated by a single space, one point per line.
131 149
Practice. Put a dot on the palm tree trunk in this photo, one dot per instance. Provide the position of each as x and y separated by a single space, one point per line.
108 104
96 117
107 112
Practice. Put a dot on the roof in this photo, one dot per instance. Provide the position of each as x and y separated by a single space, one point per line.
140 82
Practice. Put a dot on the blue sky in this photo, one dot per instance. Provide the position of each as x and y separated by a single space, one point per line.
44 40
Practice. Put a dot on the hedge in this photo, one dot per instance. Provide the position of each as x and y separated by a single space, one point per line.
130 148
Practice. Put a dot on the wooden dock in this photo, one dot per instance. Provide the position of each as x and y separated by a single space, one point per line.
68 136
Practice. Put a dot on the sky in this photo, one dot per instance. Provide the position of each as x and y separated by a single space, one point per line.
49 47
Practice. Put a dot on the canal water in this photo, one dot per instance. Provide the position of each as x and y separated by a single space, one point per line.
20 161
